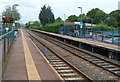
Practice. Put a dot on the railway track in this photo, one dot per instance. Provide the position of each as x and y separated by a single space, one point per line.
63 67
102 63
113 68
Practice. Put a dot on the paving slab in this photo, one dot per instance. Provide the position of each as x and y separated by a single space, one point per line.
15 68
19 65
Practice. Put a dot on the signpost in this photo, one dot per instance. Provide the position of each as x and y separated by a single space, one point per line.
7 20
62 31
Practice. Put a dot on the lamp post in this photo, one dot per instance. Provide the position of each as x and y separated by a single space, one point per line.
92 28
80 22
13 7
64 18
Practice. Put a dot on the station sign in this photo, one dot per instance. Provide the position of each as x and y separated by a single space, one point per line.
7 20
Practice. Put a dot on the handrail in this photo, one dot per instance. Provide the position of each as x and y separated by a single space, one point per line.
7 34
2 29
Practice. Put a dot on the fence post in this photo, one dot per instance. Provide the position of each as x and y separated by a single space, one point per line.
112 37
92 34
87 34
102 36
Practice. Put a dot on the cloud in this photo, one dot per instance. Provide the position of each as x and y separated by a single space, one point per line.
30 9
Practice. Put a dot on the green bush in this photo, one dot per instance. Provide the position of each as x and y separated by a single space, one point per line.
103 27
54 27
118 28
35 27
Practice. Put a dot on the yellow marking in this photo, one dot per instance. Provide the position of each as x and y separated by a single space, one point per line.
47 61
31 68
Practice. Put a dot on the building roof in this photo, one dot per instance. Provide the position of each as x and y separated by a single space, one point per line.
69 24
79 24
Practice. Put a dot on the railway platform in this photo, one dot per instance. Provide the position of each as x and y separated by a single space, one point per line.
105 49
25 62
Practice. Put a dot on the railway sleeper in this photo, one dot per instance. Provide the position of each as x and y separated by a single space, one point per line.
60 65
74 78
65 72
63 68
103 64
87 57
84 56
115 69
57 63
117 72
49 55
109 66
52 60
70 76
93 59
96 62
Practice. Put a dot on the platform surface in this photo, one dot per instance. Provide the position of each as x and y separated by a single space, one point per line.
25 62
88 41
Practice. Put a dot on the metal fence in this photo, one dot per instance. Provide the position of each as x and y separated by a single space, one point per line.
3 31
6 41
104 36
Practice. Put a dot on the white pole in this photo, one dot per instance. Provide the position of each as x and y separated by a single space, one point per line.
81 23
64 18
81 17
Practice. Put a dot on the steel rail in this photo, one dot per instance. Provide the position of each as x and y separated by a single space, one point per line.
89 54
84 75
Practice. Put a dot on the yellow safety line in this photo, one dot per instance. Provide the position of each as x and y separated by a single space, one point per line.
30 66
48 62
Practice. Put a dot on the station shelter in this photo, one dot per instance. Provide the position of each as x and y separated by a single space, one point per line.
69 28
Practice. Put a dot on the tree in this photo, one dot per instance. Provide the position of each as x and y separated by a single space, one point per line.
27 25
83 17
72 18
102 27
97 15
58 19
111 21
36 23
46 15
116 15
11 12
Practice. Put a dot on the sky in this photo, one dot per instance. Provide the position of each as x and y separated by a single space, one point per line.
30 9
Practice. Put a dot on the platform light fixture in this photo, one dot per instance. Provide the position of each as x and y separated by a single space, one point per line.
81 17
80 22
14 6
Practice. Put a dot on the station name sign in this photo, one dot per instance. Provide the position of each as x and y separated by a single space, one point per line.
7 20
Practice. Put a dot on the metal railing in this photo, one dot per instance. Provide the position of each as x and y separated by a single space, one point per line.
3 31
104 36
6 40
